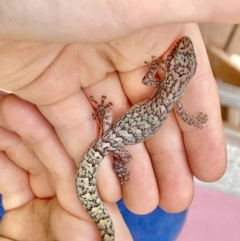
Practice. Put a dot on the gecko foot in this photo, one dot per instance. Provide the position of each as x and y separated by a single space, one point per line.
195 120
122 172
156 63
153 59
101 107
199 119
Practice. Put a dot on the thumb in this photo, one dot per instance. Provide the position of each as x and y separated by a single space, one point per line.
100 21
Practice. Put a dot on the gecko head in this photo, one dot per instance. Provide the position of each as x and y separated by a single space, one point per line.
181 62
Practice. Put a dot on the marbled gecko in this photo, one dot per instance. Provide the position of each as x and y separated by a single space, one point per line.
136 125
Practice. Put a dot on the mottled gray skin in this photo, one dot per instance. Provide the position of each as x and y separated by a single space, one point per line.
136 125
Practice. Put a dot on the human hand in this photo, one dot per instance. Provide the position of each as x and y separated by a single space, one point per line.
53 83
65 105
33 210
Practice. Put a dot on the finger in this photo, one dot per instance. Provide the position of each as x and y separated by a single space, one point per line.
25 158
206 148
113 18
142 180
73 122
40 135
14 184
169 160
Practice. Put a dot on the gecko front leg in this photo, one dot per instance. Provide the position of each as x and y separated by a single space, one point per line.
103 113
155 65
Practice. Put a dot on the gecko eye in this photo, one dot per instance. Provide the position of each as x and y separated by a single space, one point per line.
191 56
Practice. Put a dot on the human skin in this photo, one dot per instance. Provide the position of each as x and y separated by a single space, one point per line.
54 62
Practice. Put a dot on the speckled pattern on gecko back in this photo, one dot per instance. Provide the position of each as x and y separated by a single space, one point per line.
136 125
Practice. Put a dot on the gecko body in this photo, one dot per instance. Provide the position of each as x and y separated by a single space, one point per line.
136 125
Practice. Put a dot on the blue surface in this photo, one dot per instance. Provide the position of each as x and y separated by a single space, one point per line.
155 226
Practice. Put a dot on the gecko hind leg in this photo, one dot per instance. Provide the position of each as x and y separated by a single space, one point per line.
119 166
194 120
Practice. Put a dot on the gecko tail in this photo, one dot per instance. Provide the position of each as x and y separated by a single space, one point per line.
88 195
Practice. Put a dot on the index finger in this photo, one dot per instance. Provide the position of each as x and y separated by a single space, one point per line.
206 149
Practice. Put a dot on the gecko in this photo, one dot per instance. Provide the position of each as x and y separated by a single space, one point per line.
136 125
